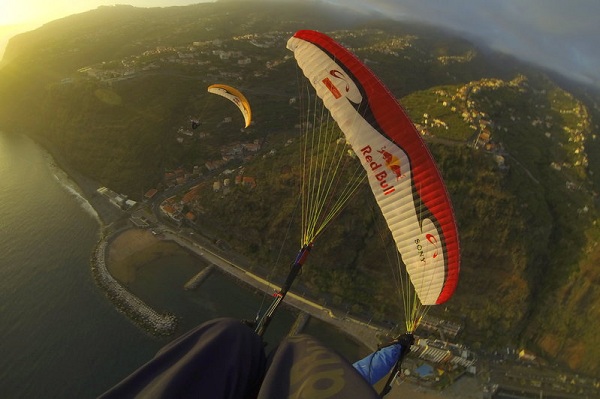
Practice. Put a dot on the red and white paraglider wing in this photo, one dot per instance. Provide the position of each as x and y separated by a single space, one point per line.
401 172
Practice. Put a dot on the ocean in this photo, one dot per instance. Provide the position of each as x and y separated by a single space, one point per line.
60 337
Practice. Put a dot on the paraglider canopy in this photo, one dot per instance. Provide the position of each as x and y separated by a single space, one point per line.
236 97
401 172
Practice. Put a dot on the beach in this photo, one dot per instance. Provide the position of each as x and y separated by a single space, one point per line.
133 248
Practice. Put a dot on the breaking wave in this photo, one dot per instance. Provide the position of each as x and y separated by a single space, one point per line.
72 188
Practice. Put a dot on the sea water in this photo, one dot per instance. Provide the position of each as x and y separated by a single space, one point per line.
60 337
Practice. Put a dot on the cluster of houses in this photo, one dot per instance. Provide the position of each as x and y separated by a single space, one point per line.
440 356
121 201
197 53
188 134
463 103
444 356
447 329
243 151
180 176
229 152
173 208
224 185
460 59
234 151
187 207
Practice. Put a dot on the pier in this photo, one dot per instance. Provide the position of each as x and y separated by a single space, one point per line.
199 278
299 324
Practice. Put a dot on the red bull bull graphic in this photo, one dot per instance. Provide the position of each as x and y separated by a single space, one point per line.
392 162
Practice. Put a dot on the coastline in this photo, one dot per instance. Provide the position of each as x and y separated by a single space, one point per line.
114 222
124 244
465 388
111 221
80 185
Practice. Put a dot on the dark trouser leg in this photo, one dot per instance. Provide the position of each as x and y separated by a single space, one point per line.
220 359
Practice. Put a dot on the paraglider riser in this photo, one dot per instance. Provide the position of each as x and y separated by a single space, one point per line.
294 271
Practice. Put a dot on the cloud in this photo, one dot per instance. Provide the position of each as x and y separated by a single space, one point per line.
556 34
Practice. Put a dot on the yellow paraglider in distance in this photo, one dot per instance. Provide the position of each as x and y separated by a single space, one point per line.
234 96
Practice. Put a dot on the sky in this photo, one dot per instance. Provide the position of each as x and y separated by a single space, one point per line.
558 34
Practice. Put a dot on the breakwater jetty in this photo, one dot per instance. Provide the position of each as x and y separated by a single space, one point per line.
127 303
199 278
299 324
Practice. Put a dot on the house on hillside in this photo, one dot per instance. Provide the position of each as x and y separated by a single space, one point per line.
191 195
150 194
249 182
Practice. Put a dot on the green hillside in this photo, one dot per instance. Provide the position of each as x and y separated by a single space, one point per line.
111 93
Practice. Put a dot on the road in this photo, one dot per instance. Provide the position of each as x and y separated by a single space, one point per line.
362 332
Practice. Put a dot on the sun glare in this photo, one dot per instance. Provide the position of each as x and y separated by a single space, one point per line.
23 12
16 12
10 14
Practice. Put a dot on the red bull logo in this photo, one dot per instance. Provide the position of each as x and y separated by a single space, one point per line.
380 175
392 162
